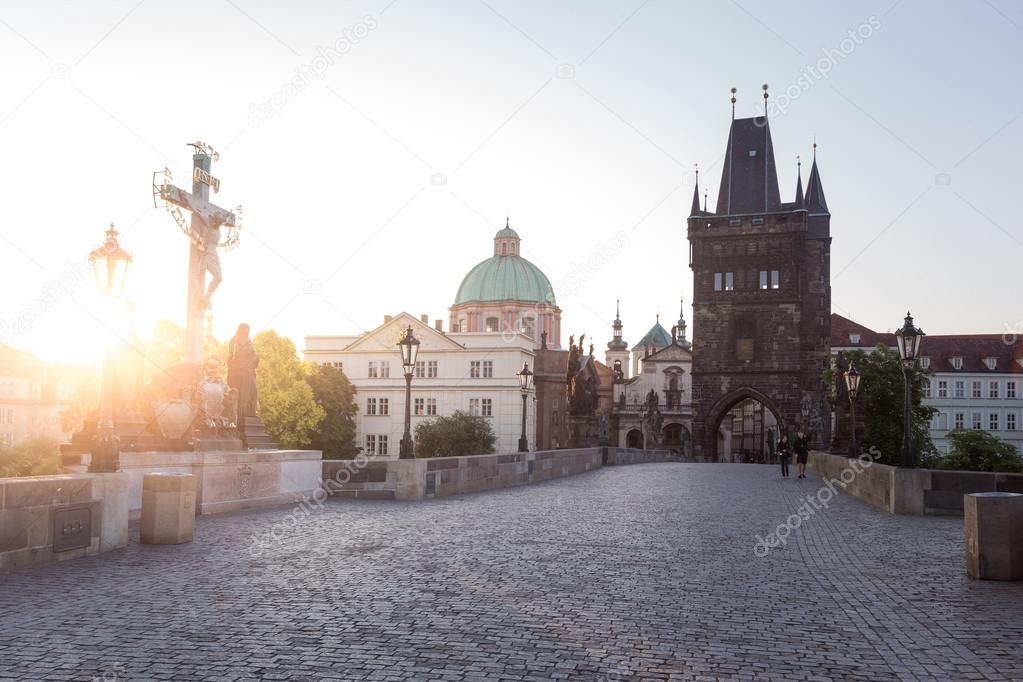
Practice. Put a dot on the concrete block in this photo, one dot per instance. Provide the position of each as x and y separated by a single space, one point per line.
168 509
994 535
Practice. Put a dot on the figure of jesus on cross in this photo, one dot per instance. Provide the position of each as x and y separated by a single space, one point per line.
205 238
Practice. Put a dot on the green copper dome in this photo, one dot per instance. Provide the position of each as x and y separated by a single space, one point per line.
505 278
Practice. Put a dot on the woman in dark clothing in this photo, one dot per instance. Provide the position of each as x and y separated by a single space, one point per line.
802 453
241 371
784 453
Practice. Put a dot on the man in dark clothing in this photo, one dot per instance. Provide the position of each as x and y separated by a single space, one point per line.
802 448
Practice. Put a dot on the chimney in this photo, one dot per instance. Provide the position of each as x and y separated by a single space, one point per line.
387 318
438 325
425 319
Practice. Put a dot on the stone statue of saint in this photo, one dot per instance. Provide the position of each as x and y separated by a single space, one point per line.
241 371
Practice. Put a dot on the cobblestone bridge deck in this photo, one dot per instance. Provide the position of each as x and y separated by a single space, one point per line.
627 573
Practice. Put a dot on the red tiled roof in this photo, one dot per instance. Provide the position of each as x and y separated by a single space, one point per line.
972 348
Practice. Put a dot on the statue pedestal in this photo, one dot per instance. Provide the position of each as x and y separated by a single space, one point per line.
254 435
582 432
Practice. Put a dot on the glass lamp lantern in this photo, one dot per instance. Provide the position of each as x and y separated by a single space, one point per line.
110 264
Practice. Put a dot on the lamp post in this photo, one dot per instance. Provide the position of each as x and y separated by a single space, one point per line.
852 385
110 264
525 379
408 344
908 339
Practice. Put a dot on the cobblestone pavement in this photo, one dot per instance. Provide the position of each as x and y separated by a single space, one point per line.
644 572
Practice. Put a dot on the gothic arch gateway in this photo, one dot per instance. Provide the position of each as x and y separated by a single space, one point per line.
744 426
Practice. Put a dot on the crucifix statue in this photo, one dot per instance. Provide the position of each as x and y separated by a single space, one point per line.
204 232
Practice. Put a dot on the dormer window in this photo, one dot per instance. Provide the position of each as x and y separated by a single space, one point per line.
925 363
991 363
854 339
957 362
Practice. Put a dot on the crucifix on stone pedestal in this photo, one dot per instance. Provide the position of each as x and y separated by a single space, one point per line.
204 232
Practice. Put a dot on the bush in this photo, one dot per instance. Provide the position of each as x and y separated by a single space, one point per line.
38 456
976 450
459 434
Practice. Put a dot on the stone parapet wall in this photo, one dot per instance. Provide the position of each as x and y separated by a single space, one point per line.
45 519
620 456
911 491
229 480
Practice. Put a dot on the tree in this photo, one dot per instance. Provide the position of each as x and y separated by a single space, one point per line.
459 434
976 450
286 402
333 392
38 456
882 403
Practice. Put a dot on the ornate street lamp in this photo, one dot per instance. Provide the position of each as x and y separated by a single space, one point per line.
525 379
908 339
110 264
852 385
408 344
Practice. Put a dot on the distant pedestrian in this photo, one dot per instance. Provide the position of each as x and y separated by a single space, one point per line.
802 448
784 454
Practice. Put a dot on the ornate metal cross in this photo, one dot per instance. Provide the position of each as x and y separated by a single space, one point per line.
204 236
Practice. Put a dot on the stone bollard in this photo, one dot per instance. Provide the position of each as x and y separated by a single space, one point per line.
168 509
994 535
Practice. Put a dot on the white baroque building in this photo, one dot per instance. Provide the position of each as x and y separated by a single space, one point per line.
503 312
475 372
976 382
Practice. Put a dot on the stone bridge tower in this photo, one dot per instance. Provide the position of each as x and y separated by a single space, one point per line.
761 300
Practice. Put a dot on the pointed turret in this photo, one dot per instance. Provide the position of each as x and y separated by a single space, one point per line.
817 206
617 342
695 209
680 328
800 203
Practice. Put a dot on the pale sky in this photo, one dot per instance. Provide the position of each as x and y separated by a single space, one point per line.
580 120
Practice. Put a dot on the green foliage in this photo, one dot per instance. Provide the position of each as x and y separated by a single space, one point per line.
333 392
37 456
976 450
881 403
286 402
459 434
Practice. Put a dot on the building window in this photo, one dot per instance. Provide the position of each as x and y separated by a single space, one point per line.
487 407
992 363
927 388
474 369
942 420
418 407
529 327
431 407
729 281
384 409
976 393
992 421
371 406
493 324
960 420
385 369
420 369
1010 389
371 444
763 279
942 388
957 362
717 281
488 369
925 363
371 370
7 438
431 369
381 445
1010 422
992 390
775 279
474 407
960 389
976 421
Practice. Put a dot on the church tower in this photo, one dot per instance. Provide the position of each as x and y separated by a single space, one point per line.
761 301
617 354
